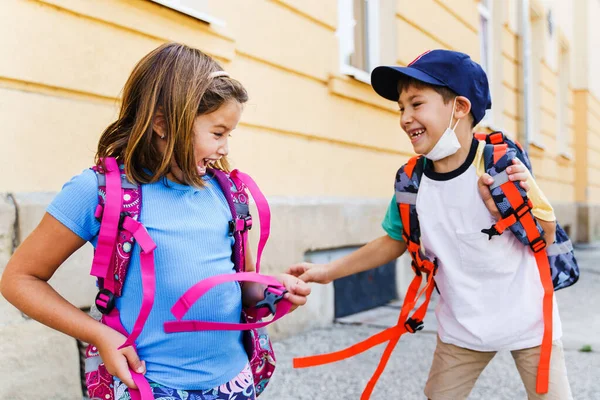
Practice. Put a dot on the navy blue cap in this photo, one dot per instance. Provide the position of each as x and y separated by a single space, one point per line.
451 69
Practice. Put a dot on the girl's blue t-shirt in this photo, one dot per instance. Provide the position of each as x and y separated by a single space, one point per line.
190 227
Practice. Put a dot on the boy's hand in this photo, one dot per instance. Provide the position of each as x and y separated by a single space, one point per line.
516 172
310 272
297 289
118 362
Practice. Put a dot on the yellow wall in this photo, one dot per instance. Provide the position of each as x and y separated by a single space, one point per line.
308 129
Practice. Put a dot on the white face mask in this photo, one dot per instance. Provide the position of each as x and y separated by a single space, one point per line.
448 143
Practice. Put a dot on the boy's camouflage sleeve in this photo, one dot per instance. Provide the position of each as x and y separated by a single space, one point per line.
392 224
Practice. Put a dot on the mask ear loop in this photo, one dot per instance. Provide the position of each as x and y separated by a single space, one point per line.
452 116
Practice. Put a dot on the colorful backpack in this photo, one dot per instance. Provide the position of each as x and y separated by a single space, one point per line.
556 263
118 210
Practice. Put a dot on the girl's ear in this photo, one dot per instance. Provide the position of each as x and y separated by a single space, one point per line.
463 107
159 124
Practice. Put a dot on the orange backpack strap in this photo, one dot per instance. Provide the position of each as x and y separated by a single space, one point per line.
522 206
407 181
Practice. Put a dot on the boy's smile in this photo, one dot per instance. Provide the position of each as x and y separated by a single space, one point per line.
423 116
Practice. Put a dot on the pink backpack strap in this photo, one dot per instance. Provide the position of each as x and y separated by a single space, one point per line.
110 263
193 294
274 291
109 225
264 212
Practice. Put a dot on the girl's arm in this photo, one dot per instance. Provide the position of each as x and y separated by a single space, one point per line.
25 285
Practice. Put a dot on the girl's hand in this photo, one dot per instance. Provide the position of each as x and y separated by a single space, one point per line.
516 172
310 272
118 362
297 290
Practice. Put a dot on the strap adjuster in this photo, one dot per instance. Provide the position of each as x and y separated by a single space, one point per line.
273 296
495 138
413 325
105 301
240 225
523 209
538 244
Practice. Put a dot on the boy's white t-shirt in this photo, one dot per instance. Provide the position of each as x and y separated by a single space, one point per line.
490 290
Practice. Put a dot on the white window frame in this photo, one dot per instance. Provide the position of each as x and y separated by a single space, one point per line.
534 110
485 12
345 33
191 11
564 73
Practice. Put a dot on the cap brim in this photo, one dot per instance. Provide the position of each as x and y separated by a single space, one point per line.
385 80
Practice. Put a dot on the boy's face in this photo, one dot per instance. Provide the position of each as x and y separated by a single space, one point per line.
423 116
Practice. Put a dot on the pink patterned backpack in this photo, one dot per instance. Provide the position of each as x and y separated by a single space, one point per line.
118 210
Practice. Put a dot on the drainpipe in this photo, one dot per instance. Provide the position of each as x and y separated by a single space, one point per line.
526 57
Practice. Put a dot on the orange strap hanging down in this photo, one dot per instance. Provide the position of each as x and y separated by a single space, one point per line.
538 246
391 335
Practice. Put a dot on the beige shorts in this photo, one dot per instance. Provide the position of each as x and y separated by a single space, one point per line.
455 370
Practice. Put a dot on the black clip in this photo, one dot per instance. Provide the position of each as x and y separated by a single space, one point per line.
413 325
271 298
122 219
491 232
105 301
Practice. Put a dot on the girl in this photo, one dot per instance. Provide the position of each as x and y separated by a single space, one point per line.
178 111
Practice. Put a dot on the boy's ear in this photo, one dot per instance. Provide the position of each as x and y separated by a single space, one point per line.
463 107
159 125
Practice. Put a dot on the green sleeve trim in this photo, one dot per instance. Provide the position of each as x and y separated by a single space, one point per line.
392 224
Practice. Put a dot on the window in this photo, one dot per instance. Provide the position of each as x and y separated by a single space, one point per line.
562 131
533 87
485 43
358 33
194 8
485 34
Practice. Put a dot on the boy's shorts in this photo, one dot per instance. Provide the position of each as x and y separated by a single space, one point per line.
455 370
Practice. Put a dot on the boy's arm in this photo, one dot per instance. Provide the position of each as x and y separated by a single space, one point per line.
375 253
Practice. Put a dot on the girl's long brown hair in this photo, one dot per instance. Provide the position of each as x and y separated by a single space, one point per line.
173 78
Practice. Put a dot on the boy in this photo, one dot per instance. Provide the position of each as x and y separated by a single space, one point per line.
490 290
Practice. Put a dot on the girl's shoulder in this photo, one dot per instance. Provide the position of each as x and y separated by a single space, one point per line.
75 204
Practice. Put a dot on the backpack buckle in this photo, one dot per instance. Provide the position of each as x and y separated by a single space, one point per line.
273 295
240 225
413 325
105 301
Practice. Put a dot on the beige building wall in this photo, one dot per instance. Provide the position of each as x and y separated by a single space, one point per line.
312 130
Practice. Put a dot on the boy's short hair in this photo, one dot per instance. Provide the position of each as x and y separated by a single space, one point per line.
447 94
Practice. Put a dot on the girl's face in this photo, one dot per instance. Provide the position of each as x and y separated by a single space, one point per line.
212 132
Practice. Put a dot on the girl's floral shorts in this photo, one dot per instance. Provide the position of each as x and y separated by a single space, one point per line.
239 388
